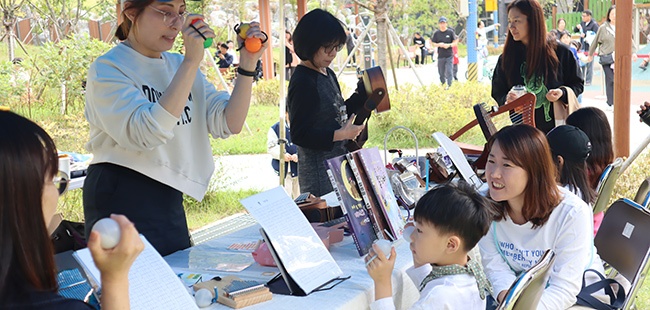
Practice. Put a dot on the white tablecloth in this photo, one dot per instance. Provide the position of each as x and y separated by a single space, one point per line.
354 293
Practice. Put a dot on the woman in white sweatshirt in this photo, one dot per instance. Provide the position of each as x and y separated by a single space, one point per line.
535 214
150 114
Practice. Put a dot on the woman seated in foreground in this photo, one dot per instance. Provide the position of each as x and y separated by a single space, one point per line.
29 190
534 214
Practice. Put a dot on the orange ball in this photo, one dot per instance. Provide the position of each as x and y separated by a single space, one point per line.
253 45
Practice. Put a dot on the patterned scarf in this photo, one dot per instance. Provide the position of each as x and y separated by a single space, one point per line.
473 268
535 85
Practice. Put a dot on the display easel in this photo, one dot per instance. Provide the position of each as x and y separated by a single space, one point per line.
391 30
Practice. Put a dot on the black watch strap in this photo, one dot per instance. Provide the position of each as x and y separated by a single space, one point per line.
246 72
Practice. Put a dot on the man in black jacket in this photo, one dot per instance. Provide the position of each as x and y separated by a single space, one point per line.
588 29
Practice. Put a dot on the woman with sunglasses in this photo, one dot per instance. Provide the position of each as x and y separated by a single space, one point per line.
150 114
321 120
29 190
534 214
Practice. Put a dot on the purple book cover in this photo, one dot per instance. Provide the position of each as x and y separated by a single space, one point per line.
376 173
347 191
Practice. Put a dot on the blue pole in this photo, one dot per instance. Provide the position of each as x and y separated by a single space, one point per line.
472 66
471 31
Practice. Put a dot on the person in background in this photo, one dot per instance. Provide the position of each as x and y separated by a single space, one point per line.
29 190
449 221
291 60
593 122
542 66
534 214
232 52
350 40
560 28
605 42
418 41
150 114
321 120
225 58
588 29
291 185
444 39
481 37
455 62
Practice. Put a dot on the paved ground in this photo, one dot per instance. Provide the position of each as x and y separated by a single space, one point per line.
255 172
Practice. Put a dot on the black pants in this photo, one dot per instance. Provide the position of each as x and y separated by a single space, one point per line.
155 208
609 84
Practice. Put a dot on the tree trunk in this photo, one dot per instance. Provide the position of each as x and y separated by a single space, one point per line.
382 30
9 21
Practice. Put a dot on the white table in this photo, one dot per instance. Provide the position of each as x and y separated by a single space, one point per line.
76 183
354 293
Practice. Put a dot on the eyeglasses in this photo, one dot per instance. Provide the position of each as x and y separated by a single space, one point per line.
170 18
331 48
61 182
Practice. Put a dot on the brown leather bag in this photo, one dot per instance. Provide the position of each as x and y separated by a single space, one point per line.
316 210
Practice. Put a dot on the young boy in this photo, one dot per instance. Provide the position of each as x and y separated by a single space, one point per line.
449 222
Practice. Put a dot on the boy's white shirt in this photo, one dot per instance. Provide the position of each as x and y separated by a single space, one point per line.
448 292
128 127
568 232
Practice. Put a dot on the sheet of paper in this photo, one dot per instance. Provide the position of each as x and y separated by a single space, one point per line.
331 199
152 283
299 248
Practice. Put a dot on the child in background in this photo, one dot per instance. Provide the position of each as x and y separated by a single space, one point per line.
454 50
291 185
449 222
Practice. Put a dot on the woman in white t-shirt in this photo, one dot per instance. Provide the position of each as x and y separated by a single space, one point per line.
534 214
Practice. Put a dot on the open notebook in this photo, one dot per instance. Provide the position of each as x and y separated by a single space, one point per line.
152 283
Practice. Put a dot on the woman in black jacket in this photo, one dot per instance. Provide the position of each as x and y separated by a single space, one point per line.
538 63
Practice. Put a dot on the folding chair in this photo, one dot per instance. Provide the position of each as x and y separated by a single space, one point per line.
606 185
527 290
623 242
522 111
643 194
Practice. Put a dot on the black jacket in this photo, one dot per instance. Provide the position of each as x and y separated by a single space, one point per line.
567 75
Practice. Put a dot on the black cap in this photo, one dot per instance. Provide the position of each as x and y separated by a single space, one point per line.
442 19
569 142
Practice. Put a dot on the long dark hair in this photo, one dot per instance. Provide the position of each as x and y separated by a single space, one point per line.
317 29
528 148
574 174
609 11
137 6
541 59
27 156
594 123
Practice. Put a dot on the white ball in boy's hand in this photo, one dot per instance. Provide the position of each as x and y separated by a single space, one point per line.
407 234
110 232
384 245
203 298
